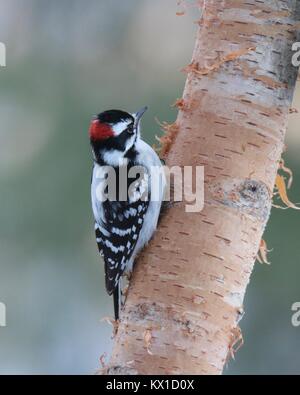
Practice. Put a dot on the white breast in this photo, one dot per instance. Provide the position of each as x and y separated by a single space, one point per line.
148 158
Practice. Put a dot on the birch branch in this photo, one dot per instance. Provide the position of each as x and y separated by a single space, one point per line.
186 296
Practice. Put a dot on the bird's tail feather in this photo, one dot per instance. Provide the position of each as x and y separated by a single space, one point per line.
116 297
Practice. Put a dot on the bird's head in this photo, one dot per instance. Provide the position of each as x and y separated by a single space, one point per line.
115 132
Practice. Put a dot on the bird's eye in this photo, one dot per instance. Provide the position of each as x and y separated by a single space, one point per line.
130 129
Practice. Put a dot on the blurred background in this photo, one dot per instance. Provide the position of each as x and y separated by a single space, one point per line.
66 61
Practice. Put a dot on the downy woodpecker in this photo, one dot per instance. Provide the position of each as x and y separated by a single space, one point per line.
123 226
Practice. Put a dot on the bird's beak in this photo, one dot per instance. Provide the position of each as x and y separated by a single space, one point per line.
138 115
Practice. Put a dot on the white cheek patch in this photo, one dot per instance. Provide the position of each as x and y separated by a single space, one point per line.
119 127
129 142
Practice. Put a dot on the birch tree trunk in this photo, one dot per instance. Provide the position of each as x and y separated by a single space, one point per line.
186 296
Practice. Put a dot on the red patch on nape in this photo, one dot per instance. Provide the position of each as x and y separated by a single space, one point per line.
100 131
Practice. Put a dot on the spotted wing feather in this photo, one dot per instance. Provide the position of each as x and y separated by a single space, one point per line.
117 236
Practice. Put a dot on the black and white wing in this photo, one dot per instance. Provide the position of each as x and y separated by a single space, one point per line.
118 225
117 236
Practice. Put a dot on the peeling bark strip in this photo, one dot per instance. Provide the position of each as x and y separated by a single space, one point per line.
186 296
